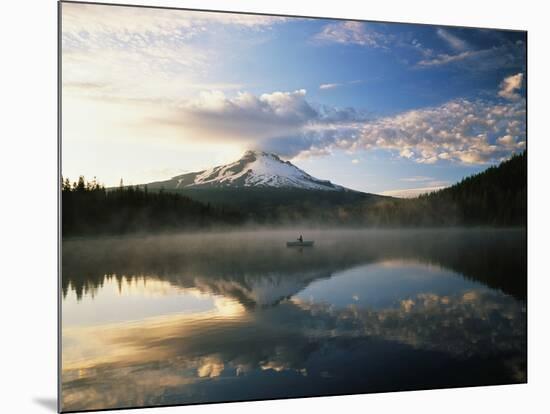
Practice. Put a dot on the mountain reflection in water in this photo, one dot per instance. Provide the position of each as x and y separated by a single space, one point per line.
219 317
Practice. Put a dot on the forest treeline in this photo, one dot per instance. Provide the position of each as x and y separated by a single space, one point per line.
89 208
494 197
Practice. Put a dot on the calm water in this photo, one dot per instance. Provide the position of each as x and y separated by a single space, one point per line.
237 316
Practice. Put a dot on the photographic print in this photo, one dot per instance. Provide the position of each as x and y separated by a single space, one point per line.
262 207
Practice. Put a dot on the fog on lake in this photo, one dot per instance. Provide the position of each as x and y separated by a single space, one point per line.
178 319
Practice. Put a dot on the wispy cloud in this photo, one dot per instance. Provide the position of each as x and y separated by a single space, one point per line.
452 40
163 22
415 179
329 85
138 53
507 55
352 32
334 85
444 59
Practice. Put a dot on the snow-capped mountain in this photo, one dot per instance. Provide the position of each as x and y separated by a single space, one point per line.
254 169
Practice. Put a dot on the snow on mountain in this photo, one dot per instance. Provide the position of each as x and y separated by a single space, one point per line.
254 169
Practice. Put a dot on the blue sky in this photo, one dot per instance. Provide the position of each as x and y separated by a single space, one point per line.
386 108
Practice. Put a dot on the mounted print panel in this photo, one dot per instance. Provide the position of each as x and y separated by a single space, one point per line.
261 207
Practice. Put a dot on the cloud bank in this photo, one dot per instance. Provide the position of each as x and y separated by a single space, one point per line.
461 130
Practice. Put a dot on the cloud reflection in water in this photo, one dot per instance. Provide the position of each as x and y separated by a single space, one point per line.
305 328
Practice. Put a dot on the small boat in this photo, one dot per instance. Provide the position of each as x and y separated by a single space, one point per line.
305 243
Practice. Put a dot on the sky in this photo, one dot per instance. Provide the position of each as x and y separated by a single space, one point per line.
396 109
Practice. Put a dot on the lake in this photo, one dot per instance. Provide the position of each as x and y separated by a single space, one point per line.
193 318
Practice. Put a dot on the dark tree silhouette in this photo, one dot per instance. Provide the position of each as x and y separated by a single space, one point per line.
89 208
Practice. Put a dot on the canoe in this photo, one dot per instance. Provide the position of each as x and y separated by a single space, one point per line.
305 243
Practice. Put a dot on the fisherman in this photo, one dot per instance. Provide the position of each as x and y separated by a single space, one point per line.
301 239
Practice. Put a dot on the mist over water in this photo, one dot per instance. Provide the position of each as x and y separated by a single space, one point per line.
206 317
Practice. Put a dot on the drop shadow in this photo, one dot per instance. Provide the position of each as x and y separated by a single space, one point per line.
49 403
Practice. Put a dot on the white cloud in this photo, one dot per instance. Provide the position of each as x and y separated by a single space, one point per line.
355 161
444 58
417 178
510 86
353 32
329 85
507 140
164 22
339 84
460 130
453 41
244 118
137 53
412 192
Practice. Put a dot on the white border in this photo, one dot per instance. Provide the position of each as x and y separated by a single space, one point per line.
28 208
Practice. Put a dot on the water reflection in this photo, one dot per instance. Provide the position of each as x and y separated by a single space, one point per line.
178 319
134 299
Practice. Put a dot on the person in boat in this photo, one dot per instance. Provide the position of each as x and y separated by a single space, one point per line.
301 239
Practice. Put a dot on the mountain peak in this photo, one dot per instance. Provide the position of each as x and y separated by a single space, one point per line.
249 154
254 169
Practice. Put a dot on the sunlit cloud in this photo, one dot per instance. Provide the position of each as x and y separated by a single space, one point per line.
429 184
412 192
461 130
137 53
210 367
510 87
